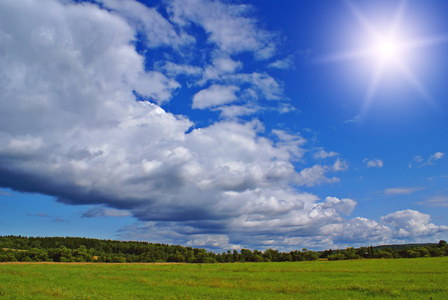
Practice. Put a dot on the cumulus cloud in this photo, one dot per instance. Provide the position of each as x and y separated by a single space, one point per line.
291 142
315 175
357 231
211 241
158 30
374 163
408 223
398 227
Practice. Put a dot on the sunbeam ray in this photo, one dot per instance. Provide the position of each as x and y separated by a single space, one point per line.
390 51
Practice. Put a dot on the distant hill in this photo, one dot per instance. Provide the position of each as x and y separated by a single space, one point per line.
403 246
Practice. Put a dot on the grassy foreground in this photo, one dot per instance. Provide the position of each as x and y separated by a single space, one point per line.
421 278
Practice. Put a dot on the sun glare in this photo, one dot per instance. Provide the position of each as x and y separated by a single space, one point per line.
387 49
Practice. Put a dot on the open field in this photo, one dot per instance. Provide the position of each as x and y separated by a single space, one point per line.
421 278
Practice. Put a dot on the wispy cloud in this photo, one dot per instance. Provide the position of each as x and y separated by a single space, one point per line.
41 215
401 190
60 220
5 193
436 201
283 64
355 119
419 160
227 26
97 212
173 69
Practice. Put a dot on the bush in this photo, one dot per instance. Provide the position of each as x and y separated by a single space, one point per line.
336 256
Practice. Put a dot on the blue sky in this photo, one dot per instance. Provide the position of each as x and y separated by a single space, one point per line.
225 124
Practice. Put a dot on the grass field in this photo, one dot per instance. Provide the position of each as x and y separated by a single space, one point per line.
422 278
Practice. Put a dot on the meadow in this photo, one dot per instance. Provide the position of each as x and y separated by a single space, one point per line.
419 278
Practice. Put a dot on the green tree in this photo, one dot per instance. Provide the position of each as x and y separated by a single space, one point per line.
350 253
82 255
61 254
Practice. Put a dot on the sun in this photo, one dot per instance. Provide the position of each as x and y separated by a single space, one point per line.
387 50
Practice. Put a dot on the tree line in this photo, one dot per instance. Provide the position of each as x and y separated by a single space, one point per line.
74 249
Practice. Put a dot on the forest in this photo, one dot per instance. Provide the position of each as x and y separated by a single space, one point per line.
76 249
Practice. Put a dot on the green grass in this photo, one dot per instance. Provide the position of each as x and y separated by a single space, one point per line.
422 278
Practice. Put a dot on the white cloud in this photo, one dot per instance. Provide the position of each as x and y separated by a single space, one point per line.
357 231
373 163
268 86
236 111
283 64
291 142
221 66
436 156
317 174
355 119
255 85
284 108
322 154
211 241
411 223
215 95
340 165
401 190
314 176
418 160
399 227
341 206
174 69
230 31
226 24
436 201
157 29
